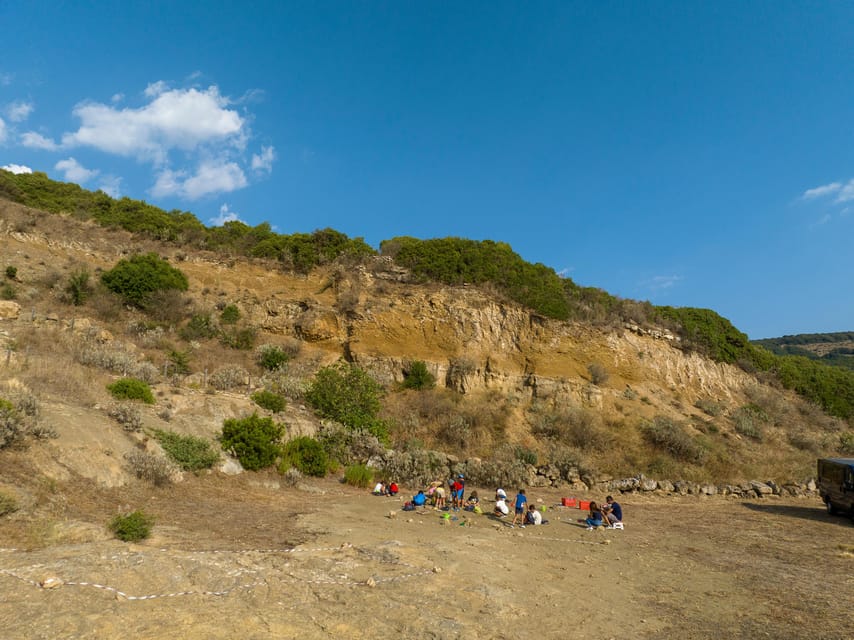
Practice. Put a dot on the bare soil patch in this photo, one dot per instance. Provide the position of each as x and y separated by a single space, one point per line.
326 561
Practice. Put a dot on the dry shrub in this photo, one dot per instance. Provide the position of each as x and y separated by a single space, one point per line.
285 383
105 305
573 426
442 418
115 359
348 446
169 306
772 402
127 416
228 378
292 477
151 468
671 436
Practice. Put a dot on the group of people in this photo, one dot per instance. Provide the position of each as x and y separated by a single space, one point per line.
386 489
437 496
524 513
608 514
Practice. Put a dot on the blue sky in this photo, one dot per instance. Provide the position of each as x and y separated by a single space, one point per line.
686 153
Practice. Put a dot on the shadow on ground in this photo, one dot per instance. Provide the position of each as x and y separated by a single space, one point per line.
816 514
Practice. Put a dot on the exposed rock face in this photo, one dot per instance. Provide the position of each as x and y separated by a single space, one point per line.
9 310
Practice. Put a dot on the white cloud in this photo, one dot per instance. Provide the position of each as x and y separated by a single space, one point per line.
19 111
16 168
5 79
74 171
111 185
820 192
658 283
117 97
264 160
154 89
175 119
211 177
3 134
225 215
35 140
846 193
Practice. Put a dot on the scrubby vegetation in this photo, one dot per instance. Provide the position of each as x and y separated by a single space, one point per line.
137 278
417 377
131 389
305 454
188 452
132 527
359 475
8 504
347 394
254 441
150 467
269 401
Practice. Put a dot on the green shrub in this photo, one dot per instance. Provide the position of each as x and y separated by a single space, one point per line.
347 394
11 272
305 454
150 467
418 377
526 456
230 314
269 401
359 475
238 338
181 361
132 527
136 278
12 424
252 440
78 289
271 357
188 452
8 504
7 292
131 389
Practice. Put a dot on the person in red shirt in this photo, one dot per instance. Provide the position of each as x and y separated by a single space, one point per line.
393 489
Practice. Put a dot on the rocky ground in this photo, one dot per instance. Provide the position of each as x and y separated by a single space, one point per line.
245 557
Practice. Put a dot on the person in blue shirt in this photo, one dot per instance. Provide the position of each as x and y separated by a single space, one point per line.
612 510
419 499
521 500
594 518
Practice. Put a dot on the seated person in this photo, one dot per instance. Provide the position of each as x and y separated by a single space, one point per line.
612 510
419 499
501 508
472 501
392 489
594 517
534 517
379 490
500 494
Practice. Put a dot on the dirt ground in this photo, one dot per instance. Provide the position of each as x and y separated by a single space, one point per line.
243 557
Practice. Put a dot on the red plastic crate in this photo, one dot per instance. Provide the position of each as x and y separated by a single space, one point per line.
584 505
569 502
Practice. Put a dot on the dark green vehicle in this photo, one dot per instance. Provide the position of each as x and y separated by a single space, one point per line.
836 484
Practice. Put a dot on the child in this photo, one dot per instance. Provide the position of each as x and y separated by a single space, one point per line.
472 502
379 490
393 489
594 517
521 500
501 508
533 516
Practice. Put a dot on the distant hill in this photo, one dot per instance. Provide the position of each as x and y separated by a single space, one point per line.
835 349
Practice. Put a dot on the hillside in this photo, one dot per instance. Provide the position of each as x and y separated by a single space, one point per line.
512 385
835 349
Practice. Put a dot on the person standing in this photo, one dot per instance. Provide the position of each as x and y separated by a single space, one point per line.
521 501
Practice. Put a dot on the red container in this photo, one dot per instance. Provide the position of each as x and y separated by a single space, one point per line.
584 505
569 502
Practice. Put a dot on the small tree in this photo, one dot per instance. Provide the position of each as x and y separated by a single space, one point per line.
132 527
271 358
418 377
253 440
136 278
347 394
305 454
269 400
598 373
